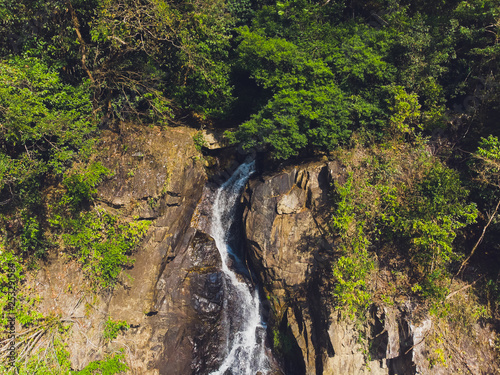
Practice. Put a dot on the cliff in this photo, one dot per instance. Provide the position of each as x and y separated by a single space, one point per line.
173 295
290 247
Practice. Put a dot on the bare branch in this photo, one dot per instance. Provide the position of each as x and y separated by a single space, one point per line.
491 216
83 45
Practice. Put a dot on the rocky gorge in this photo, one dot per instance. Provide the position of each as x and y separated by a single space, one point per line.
249 187
174 296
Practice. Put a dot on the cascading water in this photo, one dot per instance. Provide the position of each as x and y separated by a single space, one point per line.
245 352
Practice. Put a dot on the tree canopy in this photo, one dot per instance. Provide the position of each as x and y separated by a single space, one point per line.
404 93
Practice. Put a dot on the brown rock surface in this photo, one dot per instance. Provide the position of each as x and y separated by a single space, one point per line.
289 246
173 299
285 222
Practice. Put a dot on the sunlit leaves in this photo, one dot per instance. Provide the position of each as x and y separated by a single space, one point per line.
405 110
45 124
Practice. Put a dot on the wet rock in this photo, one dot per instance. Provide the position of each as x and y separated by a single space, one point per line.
189 297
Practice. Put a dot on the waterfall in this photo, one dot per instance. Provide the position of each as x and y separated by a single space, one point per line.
245 352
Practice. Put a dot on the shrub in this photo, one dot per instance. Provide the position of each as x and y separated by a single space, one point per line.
352 269
399 198
430 218
113 328
81 185
199 141
110 365
102 243
32 241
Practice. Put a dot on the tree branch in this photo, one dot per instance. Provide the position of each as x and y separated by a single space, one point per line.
83 45
464 263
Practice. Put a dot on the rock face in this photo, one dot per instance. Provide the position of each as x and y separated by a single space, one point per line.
173 297
175 300
189 302
286 225
285 221
214 138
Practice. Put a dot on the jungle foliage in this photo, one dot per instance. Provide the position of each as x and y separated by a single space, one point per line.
404 93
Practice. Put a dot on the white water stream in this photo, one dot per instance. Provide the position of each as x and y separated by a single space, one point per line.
245 332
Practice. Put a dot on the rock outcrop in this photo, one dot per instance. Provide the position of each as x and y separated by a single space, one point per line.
175 300
172 298
289 247
285 225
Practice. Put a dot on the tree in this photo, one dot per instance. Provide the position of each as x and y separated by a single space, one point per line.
405 111
428 223
306 109
139 45
144 58
45 124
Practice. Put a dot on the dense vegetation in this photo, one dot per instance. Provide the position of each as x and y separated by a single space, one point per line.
405 94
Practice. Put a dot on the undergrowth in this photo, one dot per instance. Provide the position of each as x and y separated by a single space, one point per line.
399 206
